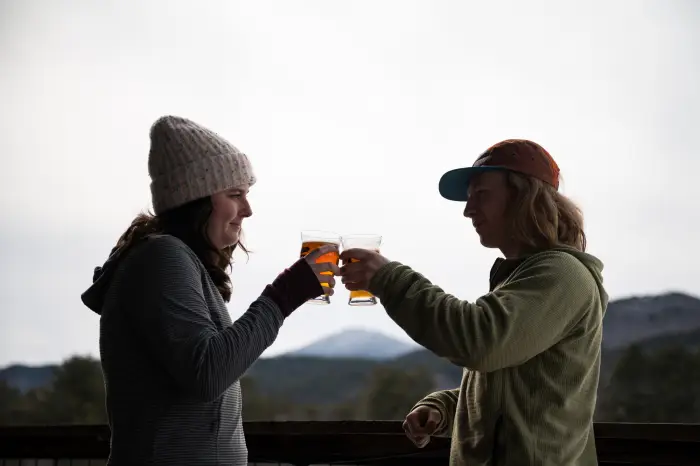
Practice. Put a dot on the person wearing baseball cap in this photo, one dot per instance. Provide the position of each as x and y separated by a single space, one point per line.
530 347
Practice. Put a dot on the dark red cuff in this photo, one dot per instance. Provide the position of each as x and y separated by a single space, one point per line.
293 287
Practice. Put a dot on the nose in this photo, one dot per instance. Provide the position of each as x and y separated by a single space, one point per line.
469 209
247 210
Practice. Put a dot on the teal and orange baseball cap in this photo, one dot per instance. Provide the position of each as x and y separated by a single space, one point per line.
516 155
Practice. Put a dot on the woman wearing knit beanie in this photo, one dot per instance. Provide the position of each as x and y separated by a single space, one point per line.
171 356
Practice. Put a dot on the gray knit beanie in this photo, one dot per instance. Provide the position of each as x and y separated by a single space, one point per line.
188 162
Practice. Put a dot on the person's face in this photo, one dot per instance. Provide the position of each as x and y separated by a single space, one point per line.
229 208
487 202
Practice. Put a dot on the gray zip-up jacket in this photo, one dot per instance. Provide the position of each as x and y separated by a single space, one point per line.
172 357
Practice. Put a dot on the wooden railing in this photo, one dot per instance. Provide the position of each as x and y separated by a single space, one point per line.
352 442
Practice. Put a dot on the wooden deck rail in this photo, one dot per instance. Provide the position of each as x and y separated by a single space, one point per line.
360 442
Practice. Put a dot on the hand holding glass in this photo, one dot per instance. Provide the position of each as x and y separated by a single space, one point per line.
311 240
371 242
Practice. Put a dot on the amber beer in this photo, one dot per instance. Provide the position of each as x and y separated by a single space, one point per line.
333 256
371 242
361 297
311 240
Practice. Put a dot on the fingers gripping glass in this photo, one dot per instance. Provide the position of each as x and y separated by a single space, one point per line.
311 240
371 242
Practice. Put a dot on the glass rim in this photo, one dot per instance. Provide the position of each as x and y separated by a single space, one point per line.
361 241
320 234
361 236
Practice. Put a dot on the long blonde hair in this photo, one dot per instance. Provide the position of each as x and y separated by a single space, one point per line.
542 217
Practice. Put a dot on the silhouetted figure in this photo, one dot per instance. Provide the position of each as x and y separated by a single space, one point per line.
171 355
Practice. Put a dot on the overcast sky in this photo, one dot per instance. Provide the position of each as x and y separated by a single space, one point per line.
349 112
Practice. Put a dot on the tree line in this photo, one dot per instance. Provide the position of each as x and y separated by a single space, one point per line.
659 386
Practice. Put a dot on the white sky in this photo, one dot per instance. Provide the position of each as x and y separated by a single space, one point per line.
350 112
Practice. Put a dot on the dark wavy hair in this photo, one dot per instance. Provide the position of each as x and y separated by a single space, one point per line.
188 223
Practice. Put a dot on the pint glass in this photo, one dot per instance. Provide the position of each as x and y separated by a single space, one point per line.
371 242
311 240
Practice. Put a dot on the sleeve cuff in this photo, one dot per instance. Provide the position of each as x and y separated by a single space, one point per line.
305 278
442 427
382 278
294 287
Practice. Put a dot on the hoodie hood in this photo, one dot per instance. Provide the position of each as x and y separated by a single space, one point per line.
94 296
594 265
502 268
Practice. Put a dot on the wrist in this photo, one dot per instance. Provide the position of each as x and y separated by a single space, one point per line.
293 287
380 279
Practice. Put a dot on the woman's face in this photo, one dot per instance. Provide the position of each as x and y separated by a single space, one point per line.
229 208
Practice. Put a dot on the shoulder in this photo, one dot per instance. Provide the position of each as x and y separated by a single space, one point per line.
567 283
558 262
163 250
562 269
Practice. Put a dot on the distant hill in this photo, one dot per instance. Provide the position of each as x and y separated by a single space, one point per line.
356 343
634 319
336 368
689 339
27 377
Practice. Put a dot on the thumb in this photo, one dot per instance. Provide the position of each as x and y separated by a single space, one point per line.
433 421
421 440
355 253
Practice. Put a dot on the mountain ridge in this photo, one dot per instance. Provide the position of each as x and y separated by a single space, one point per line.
638 318
651 321
355 343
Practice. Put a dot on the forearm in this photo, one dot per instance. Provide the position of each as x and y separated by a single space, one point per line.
502 328
221 358
168 305
228 354
426 313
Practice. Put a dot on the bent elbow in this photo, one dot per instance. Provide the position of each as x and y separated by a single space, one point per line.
473 363
490 361
486 360
207 390
207 384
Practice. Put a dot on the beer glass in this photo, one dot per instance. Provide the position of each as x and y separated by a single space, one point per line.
311 240
371 242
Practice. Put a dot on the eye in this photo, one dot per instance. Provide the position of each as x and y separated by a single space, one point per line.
480 193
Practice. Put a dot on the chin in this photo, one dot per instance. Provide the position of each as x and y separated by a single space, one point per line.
231 242
486 243
226 242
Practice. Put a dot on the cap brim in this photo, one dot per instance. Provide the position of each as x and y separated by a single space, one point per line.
454 184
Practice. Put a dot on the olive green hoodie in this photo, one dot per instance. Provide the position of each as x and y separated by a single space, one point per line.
530 349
